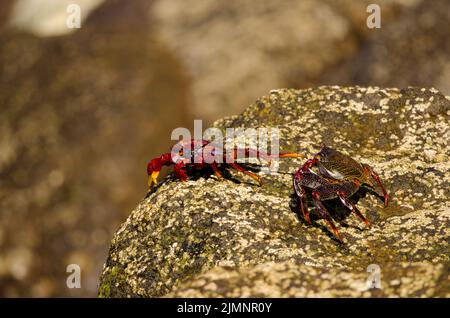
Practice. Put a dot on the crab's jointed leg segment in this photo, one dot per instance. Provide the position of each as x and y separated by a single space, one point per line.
283 155
180 171
290 155
325 214
301 193
216 170
251 174
378 180
345 201
315 196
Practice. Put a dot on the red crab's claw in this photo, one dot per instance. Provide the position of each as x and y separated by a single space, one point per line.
153 179
153 170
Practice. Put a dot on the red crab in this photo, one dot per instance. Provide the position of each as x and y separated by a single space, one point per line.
201 153
328 175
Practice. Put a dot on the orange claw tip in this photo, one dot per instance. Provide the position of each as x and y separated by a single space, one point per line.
153 178
368 224
308 219
338 235
150 182
260 181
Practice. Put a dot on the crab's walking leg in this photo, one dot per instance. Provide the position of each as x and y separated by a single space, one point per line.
251 174
325 214
216 170
232 162
246 153
378 180
301 193
179 171
345 201
300 190
290 155
253 153
271 157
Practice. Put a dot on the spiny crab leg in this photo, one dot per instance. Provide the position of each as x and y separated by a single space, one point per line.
180 172
301 193
378 180
259 154
250 153
216 170
251 174
345 201
290 155
326 215
300 190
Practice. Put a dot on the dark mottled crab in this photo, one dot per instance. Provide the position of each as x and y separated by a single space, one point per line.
328 175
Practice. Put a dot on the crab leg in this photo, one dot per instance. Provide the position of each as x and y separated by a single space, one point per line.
250 153
247 152
300 190
345 201
301 193
216 170
378 180
290 155
179 170
251 174
325 214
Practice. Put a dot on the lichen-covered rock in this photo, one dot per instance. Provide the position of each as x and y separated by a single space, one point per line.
288 279
207 237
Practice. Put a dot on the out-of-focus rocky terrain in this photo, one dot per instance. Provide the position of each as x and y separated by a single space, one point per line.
414 49
82 111
80 116
235 51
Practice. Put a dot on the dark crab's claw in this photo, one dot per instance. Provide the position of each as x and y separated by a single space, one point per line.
370 172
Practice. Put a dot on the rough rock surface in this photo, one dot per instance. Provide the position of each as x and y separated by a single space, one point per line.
289 279
207 237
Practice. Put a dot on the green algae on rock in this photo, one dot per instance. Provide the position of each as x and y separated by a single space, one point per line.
203 236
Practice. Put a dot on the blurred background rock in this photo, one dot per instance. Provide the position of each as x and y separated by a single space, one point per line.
81 111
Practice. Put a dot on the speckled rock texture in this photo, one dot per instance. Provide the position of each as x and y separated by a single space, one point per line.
210 237
290 279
